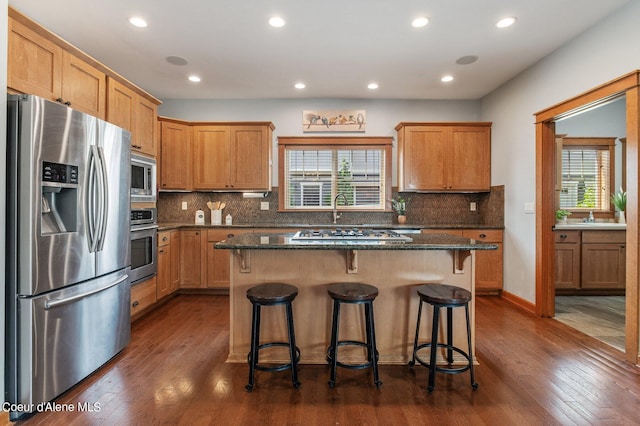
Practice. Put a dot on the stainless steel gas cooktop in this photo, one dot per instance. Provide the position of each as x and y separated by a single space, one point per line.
350 234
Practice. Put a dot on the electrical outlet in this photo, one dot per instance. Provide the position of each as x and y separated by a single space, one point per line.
264 205
184 205
472 206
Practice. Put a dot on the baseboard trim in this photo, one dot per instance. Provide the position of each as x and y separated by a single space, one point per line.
519 302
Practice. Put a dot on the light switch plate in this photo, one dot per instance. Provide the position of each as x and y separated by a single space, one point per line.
184 205
529 208
472 206
264 205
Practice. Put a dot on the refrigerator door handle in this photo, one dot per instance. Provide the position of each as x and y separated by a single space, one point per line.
91 200
103 198
58 302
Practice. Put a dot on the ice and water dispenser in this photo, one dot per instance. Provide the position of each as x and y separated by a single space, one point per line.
59 210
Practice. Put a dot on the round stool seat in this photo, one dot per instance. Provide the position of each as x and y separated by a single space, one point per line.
272 293
443 294
352 292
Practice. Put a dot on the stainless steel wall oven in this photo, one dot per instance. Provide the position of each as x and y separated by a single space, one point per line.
143 244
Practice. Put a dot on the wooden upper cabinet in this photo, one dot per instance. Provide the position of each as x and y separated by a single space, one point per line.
146 114
175 156
132 112
83 86
250 157
232 157
121 106
211 157
38 66
34 62
443 157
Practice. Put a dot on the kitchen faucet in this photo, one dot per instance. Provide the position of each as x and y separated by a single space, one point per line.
336 215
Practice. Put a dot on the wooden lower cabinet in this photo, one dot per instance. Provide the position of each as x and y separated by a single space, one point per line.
190 258
489 263
174 282
143 295
567 264
590 262
218 273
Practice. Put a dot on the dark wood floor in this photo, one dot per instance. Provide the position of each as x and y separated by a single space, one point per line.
532 371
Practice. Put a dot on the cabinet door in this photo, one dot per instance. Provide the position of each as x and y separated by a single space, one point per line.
211 157
34 64
603 266
424 154
567 268
190 259
121 104
470 163
145 126
218 273
250 155
83 87
175 156
175 261
164 271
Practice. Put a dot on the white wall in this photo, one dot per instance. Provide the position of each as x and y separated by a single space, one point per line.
603 53
286 114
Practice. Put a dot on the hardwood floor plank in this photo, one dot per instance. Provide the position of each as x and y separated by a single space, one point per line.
531 371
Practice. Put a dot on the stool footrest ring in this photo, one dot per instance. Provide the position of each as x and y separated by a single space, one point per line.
449 369
351 366
279 367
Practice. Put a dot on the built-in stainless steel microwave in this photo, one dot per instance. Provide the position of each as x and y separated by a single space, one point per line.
143 178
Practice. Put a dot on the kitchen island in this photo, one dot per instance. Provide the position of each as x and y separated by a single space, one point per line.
395 267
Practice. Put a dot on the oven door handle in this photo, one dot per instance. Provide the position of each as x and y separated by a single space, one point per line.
57 302
143 227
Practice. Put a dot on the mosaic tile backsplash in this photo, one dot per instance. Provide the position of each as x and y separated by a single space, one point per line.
422 209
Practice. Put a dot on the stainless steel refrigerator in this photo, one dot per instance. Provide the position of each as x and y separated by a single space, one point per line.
68 255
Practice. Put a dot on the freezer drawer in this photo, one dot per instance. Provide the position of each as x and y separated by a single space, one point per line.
64 336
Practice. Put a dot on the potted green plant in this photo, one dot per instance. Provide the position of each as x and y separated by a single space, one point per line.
619 201
400 206
561 215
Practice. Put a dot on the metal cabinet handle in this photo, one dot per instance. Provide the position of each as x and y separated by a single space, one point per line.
136 303
165 238
483 235
230 235
563 235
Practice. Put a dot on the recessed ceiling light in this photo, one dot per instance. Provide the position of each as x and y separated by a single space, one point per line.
194 78
300 85
138 22
506 22
466 60
446 78
420 22
276 21
373 86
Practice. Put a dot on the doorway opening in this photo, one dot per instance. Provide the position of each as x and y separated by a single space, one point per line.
547 122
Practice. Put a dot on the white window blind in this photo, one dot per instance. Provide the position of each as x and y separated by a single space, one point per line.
586 178
315 176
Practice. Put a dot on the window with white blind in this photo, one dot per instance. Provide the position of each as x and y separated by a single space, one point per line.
586 177
314 173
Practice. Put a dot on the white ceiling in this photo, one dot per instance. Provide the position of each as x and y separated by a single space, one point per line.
335 47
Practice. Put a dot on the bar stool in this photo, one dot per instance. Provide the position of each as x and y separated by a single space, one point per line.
272 294
443 296
361 294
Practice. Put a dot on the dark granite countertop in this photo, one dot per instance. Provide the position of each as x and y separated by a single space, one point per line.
276 226
274 241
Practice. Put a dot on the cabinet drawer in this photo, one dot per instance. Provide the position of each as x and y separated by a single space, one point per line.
604 237
484 235
164 238
567 236
222 234
143 295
